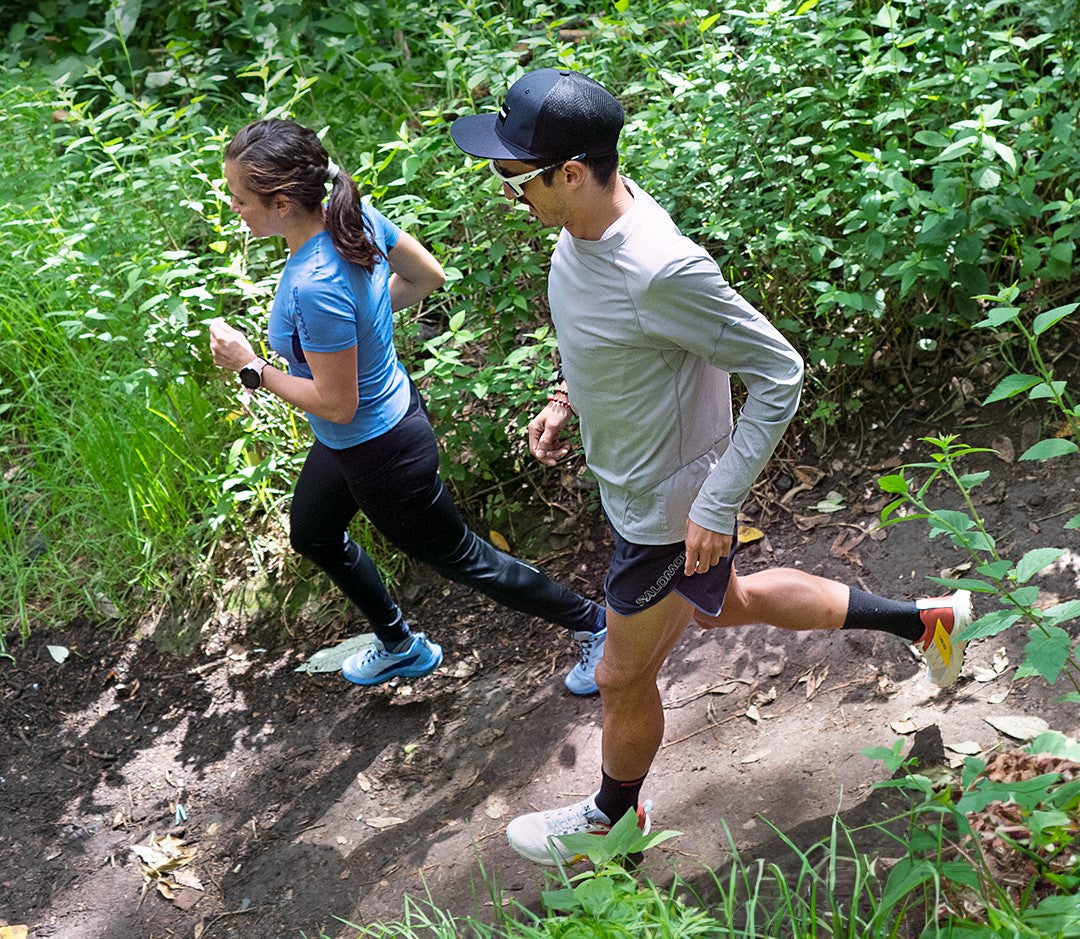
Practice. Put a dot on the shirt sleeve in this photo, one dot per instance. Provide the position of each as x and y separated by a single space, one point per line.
325 313
701 313
386 232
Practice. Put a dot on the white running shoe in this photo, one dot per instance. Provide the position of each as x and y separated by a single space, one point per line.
582 677
943 617
536 836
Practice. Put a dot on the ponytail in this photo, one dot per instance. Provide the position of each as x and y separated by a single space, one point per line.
349 228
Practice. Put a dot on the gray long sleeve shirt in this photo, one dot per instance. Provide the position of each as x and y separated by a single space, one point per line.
648 332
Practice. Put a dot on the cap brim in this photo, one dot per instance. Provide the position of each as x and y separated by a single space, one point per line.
475 134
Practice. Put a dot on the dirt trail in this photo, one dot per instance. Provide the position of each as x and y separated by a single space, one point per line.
298 797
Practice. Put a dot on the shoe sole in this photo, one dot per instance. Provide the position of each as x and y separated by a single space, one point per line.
409 671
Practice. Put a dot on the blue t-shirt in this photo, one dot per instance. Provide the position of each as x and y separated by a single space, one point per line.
325 304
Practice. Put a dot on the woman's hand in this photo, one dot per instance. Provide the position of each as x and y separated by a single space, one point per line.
229 347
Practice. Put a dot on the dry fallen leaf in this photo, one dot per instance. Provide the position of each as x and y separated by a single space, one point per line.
363 782
752 713
384 821
967 747
755 757
1004 449
748 535
904 727
1019 726
498 540
14 932
495 807
460 670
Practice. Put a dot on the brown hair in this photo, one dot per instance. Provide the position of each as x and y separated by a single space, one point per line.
278 157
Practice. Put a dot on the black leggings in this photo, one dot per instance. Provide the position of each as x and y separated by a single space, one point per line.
394 480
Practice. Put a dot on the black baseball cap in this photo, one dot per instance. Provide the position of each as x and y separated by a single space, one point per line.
548 114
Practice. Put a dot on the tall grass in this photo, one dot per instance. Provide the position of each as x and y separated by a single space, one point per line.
860 170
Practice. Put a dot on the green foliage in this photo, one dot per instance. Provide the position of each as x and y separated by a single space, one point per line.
973 885
860 170
1049 651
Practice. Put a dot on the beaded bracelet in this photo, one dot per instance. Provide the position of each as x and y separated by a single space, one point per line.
561 402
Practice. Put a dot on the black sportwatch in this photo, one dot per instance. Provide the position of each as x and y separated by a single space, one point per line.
251 374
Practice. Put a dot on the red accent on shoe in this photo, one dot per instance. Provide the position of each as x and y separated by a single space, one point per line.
929 618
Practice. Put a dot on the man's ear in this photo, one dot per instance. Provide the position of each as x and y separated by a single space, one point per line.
575 173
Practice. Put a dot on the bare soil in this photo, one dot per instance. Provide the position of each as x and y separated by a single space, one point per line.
292 799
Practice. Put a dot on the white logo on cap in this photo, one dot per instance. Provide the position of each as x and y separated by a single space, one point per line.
504 113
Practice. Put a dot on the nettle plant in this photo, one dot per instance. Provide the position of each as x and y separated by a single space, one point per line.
1050 651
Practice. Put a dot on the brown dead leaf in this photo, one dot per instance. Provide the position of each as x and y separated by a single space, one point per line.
813 682
891 463
163 854
1004 449
498 540
384 821
844 544
809 522
808 477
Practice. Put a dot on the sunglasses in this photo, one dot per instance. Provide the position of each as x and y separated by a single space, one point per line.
517 183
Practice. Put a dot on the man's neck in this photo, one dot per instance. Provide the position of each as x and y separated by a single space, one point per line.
601 209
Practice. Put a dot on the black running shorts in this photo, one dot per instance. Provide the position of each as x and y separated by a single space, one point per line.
641 575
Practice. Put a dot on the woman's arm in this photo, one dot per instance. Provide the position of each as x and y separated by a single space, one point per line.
416 273
331 393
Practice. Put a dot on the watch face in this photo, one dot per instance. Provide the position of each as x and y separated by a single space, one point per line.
250 378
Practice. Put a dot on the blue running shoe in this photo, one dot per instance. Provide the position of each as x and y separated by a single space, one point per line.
376 665
582 677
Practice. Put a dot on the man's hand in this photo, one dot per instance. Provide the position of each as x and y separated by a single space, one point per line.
545 434
704 548
229 347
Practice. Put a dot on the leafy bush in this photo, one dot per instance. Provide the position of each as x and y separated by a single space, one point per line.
860 170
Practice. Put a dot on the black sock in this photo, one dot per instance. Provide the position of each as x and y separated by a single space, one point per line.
869 611
615 797
393 634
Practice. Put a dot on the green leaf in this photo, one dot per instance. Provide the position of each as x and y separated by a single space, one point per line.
1073 522
999 316
949 521
1010 386
1056 744
964 583
1056 915
806 6
971 480
1050 449
1034 561
1046 653
989 625
895 483
707 23
1061 612
996 570
1047 391
1023 596
1044 321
